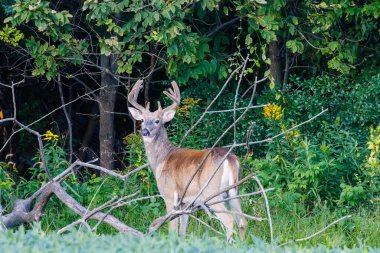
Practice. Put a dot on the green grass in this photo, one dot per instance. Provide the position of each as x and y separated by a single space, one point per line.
290 220
36 240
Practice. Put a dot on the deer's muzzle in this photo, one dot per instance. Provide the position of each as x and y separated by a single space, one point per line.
145 132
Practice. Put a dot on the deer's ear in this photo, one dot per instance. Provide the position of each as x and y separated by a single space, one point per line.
168 115
136 114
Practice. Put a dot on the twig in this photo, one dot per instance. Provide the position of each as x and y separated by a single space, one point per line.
85 217
221 26
237 109
69 125
239 213
120 204
254 84
317 233
280 134
240 196
237 93
211 103
205 224
89 214
267 208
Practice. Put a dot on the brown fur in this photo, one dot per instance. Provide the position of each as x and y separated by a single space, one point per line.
181 164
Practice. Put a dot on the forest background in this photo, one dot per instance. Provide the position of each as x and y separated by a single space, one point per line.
68 66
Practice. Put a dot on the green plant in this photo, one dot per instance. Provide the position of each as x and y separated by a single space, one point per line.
371 168
311 166
365 188
6 183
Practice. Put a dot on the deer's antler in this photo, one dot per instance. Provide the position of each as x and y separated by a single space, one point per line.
134 93
174 95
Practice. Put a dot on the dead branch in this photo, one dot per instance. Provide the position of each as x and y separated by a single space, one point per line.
23 212
240 196
79 209
236 109
211 103
316 233
280 134
205 224
69 124
89 214
267 207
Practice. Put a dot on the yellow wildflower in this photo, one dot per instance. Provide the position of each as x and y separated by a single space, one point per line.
187 105
93 176
273 111
49 136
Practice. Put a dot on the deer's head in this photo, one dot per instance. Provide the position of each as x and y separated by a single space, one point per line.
153 122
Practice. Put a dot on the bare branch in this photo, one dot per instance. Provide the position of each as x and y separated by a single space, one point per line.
267 208
211 103
69 125
240 196
205 224
280 134
236 109
316 233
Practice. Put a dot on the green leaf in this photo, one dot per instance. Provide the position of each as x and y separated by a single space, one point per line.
137 17
333 45
248 40
295 20
225 10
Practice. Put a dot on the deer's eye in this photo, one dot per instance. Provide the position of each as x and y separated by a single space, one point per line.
156 121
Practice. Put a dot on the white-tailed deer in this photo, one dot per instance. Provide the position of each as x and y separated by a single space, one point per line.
174 167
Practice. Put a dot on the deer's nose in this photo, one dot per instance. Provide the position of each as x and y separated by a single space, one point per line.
145 132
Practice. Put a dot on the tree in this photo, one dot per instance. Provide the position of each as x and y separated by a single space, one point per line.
105 45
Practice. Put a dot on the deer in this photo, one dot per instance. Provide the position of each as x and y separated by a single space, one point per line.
173 167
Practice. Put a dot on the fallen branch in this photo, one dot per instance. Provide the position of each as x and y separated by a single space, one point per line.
317 233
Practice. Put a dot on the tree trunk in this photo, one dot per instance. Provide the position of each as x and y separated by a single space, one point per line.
287 65
106 100
275 67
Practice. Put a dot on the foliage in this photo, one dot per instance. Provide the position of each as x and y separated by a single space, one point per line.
368 179
320 171
354 103
6 182
331 30
372 171
135 152
11 35
326 167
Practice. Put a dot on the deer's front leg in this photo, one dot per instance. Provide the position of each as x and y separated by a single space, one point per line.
173 223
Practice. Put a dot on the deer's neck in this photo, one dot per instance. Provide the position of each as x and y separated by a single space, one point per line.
158 148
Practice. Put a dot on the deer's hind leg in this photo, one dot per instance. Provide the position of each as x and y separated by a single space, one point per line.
235 206
227 219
